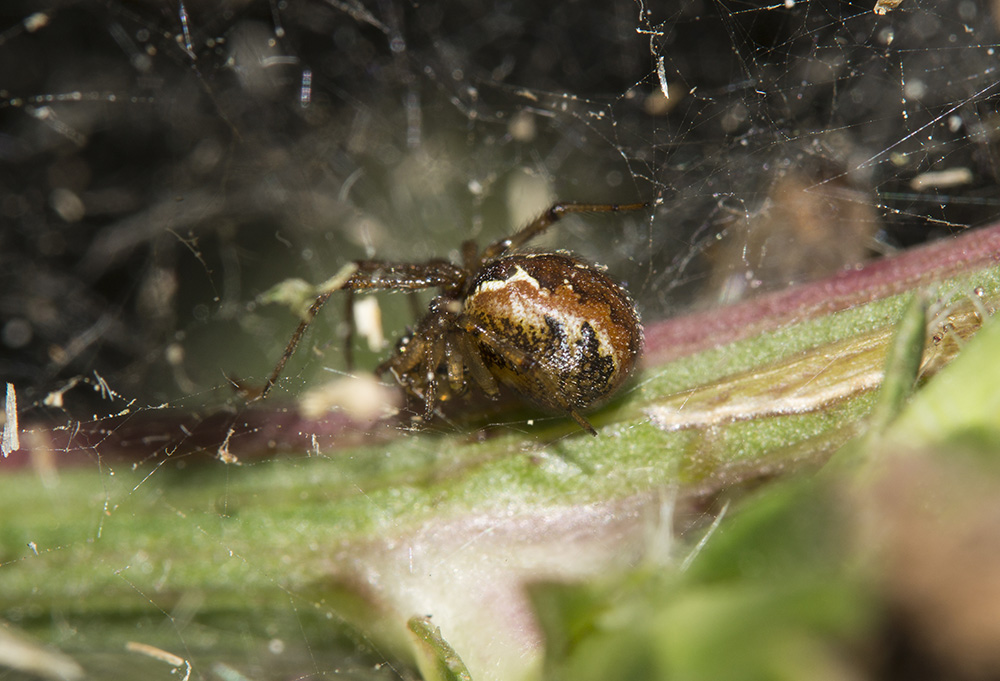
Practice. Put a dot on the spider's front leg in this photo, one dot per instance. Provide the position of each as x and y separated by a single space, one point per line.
366 275
428 363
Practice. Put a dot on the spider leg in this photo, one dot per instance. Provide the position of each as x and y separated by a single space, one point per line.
432 360
417 310
371 275
404 362
349 332
378 274
294 341
584 423
555 213
456 363
478 370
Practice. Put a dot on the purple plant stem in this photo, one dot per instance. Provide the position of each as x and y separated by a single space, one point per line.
673 338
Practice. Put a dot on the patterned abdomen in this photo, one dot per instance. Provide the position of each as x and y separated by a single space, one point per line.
556 329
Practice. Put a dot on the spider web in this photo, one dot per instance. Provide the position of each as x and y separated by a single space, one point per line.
165 164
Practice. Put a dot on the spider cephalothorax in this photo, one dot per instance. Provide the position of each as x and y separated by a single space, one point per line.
556 329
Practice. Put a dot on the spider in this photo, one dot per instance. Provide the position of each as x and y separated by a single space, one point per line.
556 329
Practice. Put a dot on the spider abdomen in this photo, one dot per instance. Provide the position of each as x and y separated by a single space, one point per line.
556 329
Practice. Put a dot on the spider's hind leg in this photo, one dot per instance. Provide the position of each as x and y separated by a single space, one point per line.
552 215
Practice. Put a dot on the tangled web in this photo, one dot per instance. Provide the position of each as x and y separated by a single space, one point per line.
163 165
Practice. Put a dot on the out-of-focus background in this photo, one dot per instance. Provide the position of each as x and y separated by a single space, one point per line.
164 165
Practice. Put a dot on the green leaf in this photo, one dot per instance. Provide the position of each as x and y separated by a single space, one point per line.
279 566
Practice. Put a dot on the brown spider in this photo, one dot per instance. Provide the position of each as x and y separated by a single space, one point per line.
556 329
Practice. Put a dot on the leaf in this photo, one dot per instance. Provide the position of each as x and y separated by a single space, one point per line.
329 557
